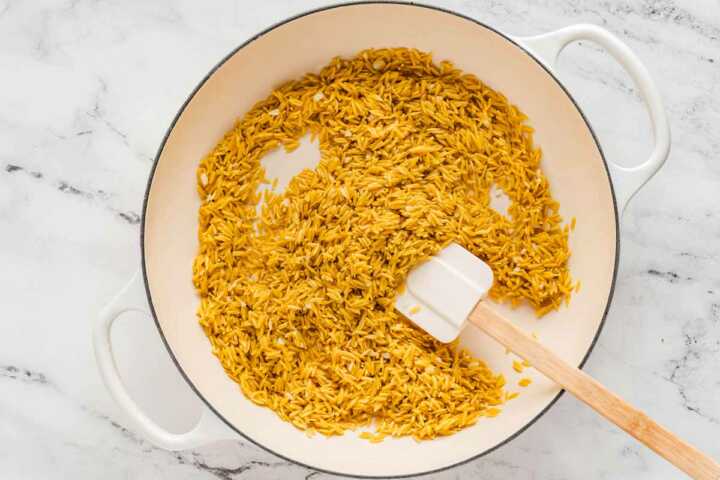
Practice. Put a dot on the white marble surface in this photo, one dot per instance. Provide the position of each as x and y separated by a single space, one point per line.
87 89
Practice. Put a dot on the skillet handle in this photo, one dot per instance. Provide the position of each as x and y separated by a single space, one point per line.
626 180
208 429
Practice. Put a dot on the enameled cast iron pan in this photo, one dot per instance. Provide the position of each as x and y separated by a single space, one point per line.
586 185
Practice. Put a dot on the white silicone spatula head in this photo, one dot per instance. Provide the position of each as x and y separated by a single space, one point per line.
440 293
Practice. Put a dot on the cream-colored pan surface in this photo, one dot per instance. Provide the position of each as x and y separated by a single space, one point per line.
572 161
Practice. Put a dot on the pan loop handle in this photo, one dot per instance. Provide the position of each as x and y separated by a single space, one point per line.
208 429
626 180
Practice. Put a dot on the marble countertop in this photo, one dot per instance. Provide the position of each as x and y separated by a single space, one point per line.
87 90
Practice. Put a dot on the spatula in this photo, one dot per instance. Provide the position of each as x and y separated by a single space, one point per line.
447 290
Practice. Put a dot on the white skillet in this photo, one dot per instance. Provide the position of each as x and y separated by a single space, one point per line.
586 185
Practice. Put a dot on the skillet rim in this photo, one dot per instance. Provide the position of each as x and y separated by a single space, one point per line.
250 41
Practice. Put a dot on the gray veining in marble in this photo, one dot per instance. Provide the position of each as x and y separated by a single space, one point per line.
87 89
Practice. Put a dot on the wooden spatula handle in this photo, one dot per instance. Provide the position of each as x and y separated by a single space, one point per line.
678 452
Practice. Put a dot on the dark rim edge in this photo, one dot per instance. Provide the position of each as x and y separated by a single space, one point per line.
202 83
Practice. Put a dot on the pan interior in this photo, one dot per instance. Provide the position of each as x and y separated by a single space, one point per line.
571 160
